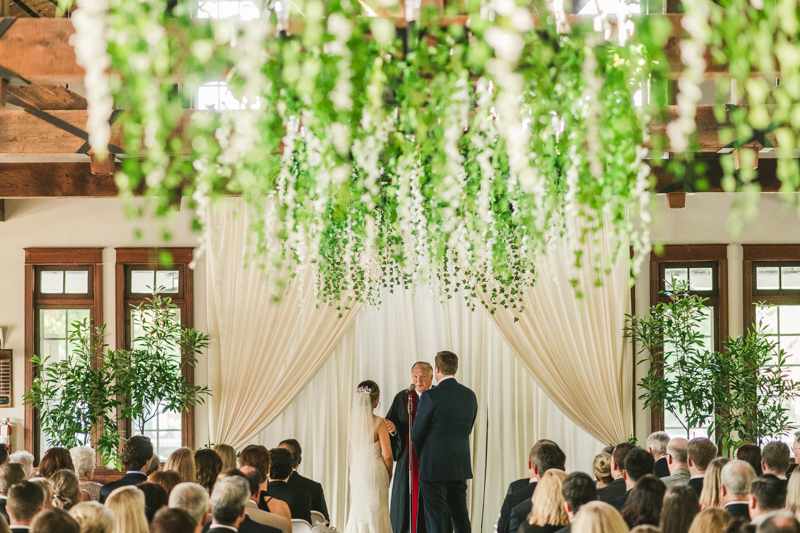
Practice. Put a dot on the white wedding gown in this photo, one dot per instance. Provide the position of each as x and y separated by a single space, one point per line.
369 480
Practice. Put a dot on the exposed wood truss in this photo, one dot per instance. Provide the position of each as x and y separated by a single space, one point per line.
45 97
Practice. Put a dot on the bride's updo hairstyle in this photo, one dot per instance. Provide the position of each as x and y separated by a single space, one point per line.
374 390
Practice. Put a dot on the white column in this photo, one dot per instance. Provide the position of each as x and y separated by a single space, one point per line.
735 290
642 415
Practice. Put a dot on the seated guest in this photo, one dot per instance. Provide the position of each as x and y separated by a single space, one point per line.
173 521
751 453
601 468
299 501
281 521
182 462
552 457
548 457
47 489
701 452
126 504
209 465
155 497
578 489
779 522
227 454
193 499
647 528
793 494
135 456
548 514
677 460
775 459
643 503
740 525
55 459
520 484
767 494
259 455
67 492
711 520
617 487
638 463
657 447
25 460
737 477
166 478
679 509
83 458
229 507
10 474
54 521
712 484
248 525
92 517
25 501
296 480
599 517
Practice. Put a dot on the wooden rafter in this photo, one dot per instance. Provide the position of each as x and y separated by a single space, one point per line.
45 97
54 180
711 178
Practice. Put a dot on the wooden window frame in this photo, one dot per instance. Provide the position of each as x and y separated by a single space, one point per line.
755 255
682 254
148 259
37 259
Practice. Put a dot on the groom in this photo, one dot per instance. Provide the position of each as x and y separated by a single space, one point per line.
440 436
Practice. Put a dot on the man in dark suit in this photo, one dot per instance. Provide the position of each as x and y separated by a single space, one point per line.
517 506
617 488
767 494
25 501
736 480
229 507
10 474
638 463
135 456
298 500
193 499
657 447
445 418
578 489
303 483
775 460
168 520
701 452
520 484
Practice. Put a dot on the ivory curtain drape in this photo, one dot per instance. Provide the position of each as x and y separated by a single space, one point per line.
261 354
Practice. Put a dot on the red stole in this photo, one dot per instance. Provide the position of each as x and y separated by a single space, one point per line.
412 456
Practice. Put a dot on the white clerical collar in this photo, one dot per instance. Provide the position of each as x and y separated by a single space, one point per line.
783 478
699 476
737 502
214 525
418 393
444 378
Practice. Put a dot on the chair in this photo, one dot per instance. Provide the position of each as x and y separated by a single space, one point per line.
316 518
300 526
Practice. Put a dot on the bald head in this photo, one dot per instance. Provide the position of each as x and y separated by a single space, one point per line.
737 478
677 454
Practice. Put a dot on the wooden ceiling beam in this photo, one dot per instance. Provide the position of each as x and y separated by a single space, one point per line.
54 180
711 180
45 97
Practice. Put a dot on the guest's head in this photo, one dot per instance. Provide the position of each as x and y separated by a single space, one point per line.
793 494
740 525
83 458
182 462
775 459
679 509
711 520
25 500
578 489
281 467
93 517
297 452
47 489
66 490
638 463
55 459
173 521
548 501
601 468
127 506
701 452
193 499
155 465
258 457
751 453
227 454
598 517
374 391
446 364
155 497
711 494
25 460
3 453
532 457
422 376
229 500
736 478
657 444
549 457
166 478
779 522
767 494
209 465
136 453
644 502
645 528
678 454
10 474
54 521
253 479
618 458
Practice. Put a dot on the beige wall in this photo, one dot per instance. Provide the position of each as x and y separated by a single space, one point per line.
78 223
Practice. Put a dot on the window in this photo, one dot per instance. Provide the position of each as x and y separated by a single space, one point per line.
772 276
62 286
138 272
705 269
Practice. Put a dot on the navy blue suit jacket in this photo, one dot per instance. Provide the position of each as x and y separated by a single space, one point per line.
440 435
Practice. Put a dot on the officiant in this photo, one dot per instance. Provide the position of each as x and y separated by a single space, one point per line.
397 421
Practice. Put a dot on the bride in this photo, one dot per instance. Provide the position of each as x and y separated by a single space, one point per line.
371 464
